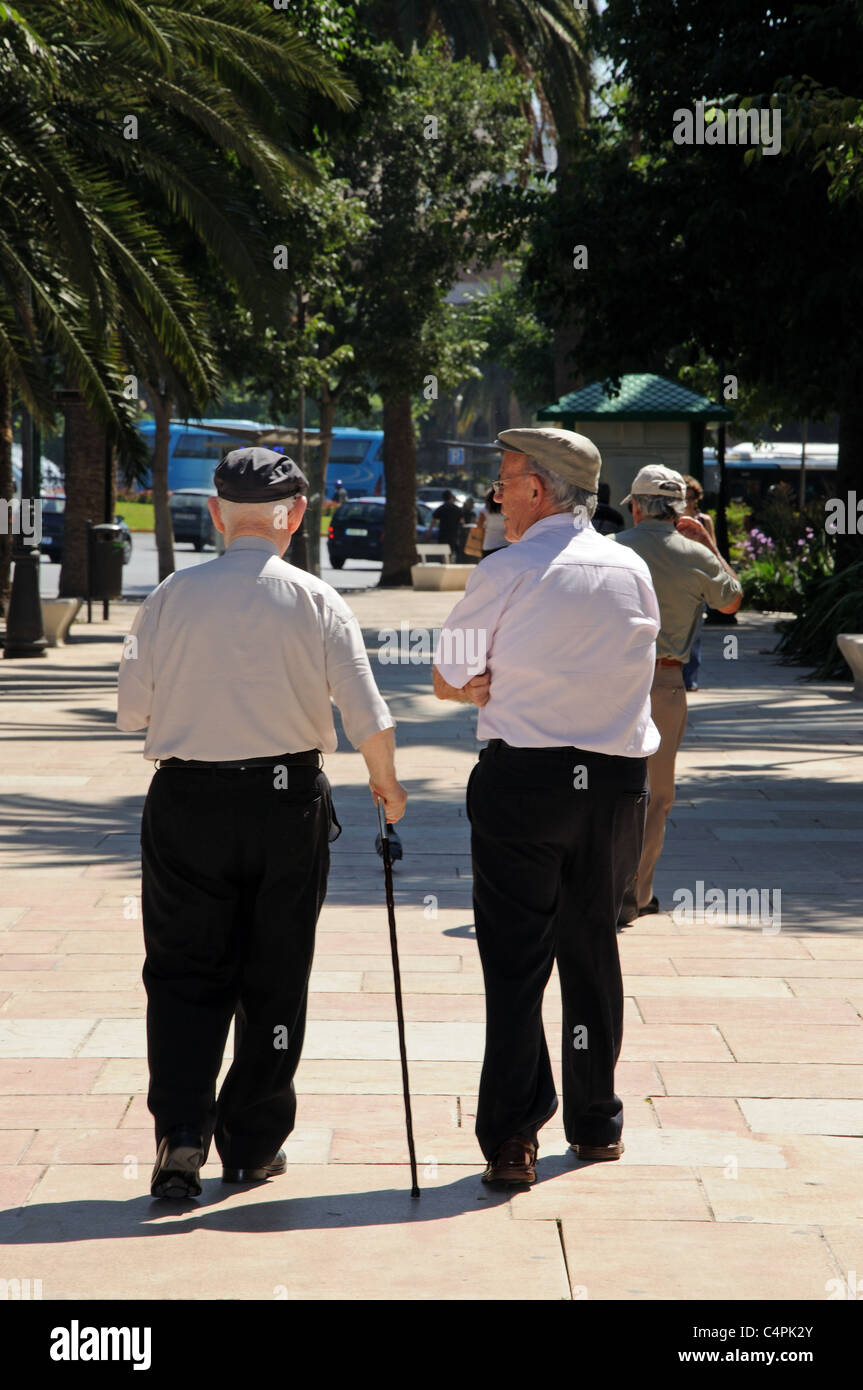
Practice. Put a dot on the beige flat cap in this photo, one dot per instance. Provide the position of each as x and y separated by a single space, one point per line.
655 480
569 455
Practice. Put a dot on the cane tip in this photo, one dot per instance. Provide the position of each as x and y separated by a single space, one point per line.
415 1192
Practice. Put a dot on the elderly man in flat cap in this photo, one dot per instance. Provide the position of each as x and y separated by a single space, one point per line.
687 569
230 667
567 623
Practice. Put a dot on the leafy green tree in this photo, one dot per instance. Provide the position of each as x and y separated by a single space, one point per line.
306 346
697 250
546 40
427 154
517 355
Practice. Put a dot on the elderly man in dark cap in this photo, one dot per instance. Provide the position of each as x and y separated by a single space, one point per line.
230 667
566 622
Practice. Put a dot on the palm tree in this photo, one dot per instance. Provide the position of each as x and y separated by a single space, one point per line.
115 118
545 38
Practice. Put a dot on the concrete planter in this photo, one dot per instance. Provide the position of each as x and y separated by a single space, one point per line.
58 615
850 645
440 576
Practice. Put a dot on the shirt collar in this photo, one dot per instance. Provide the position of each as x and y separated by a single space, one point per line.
562 520
656 523
252 543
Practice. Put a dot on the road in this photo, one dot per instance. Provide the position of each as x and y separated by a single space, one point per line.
140 576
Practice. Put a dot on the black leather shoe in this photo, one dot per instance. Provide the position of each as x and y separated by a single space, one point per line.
650 909
180 1157
272 1169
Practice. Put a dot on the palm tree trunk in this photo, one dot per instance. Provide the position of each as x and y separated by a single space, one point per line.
161 406
7 490
400 473
85 494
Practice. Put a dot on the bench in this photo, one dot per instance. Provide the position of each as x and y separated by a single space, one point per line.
58 615
850 645
443 553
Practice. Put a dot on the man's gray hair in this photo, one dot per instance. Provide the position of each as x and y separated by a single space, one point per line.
267 514
662 507
565 495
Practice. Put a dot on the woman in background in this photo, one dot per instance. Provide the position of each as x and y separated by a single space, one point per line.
694 494
492 525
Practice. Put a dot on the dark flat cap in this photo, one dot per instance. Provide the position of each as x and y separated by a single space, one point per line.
258 475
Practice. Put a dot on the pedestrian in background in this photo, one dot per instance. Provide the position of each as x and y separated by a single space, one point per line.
230 666
687 571
607 520
448 519
493 526
694 494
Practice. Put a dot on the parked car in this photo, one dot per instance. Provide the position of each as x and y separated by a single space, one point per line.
356 531
190 516
53 526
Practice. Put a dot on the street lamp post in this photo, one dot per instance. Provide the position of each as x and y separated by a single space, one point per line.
25 634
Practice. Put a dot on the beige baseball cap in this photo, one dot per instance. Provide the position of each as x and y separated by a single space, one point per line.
569 455
657 481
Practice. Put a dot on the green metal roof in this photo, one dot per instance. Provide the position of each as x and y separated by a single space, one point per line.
643 396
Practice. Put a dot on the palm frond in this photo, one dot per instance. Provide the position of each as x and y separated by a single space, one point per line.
129 17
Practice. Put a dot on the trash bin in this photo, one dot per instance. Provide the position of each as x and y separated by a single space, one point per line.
106 561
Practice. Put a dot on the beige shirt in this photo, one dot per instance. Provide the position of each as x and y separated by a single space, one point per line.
238 658
685 574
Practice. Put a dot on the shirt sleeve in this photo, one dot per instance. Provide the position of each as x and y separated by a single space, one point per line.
136 682
650 602
351 683
467 637
718 587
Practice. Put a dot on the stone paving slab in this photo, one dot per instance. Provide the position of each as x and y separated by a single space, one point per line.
761 1079
624 1259
48 1037
741 1071
783 1197
805 1116
722 1011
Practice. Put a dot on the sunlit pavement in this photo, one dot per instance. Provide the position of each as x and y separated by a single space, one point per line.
742 1062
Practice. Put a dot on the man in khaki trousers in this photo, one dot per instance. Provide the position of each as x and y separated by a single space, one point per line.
686 569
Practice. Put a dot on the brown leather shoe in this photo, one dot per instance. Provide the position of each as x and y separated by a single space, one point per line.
513 1162
598 1152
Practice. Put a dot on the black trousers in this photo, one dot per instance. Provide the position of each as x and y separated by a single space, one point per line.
234 873
555 835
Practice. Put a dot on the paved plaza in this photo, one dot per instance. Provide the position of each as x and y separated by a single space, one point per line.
742 1062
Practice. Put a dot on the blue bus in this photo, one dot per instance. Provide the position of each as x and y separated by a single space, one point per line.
356 461
197 446
751 469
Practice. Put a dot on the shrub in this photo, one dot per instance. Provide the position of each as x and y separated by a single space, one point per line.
830 604
777 574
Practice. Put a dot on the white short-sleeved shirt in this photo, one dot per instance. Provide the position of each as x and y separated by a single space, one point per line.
566 622
238 658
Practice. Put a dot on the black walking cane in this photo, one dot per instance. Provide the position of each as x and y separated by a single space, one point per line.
391 912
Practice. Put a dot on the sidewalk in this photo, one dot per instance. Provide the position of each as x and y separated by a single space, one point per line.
742 1063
